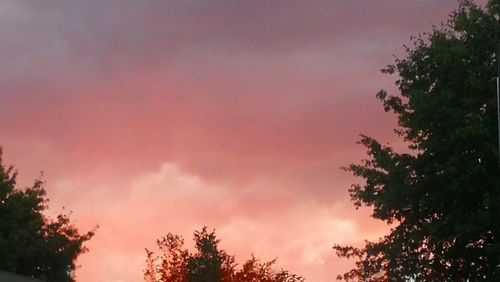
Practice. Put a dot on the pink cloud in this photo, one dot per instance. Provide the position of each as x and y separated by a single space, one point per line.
153 117
132 215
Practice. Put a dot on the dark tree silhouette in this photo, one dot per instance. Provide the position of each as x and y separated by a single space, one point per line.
208 263
31 243
442 196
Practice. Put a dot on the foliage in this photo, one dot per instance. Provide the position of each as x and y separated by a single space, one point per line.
31 243
442 195
208 263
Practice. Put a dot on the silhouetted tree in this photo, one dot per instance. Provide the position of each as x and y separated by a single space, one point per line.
253 271
208 263
31 243
442 197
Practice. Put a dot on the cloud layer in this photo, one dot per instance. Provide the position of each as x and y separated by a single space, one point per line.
163 116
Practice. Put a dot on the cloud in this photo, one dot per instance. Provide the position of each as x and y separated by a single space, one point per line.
157 116
96 42
132 215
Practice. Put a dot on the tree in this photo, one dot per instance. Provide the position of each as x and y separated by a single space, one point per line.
31 243
208 263
442 195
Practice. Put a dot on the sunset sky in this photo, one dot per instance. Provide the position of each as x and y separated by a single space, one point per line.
149 117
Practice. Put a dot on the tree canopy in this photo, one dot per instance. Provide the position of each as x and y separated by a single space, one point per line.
176 264
32 243
442 195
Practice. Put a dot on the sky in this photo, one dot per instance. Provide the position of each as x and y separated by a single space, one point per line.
148 117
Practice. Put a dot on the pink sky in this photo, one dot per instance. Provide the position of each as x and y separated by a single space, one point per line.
150 117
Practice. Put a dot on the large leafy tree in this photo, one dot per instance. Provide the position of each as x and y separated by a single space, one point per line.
208 263
31 243
442 195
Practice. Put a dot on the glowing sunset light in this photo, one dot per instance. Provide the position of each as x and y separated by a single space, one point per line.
150 117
